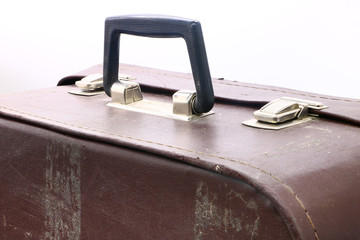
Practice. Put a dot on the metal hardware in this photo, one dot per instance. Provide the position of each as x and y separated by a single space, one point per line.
90 83
126 92
93 84
271 126
180 109
89 86
283 112
183 101
162 109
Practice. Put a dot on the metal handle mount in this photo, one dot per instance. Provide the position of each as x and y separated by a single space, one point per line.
160 27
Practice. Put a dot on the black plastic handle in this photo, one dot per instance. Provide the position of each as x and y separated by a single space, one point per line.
161 27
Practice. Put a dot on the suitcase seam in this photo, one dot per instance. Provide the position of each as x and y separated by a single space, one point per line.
287 187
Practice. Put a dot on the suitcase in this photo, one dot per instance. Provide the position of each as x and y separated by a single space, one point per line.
153 162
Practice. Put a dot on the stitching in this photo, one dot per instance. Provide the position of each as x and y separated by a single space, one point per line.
247 86
287 187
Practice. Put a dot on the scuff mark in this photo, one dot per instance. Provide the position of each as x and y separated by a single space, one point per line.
28 235
4 221
251 204
231 222
320 129
310 143
210 217
255 228
206 213
63 194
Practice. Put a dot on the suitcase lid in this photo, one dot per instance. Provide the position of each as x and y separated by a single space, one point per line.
309 171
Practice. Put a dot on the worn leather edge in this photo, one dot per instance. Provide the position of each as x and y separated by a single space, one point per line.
166 150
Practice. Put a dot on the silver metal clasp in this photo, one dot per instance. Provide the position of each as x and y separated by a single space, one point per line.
90 83
126 92
283 112
93 84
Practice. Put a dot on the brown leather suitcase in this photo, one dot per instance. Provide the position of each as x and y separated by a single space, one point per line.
78 164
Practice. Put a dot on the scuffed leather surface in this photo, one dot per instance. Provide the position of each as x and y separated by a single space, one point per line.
310 172
57 186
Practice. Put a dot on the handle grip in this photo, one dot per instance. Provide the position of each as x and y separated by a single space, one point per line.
160 27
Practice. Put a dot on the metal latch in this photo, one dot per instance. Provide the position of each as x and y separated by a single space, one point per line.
90 83
283 112
93 84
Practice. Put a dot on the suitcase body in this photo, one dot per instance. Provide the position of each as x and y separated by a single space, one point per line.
74 168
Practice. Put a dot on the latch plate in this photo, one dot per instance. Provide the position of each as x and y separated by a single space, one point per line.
271 126
180 109
283 112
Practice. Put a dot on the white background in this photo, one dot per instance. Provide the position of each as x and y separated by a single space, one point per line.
308 45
